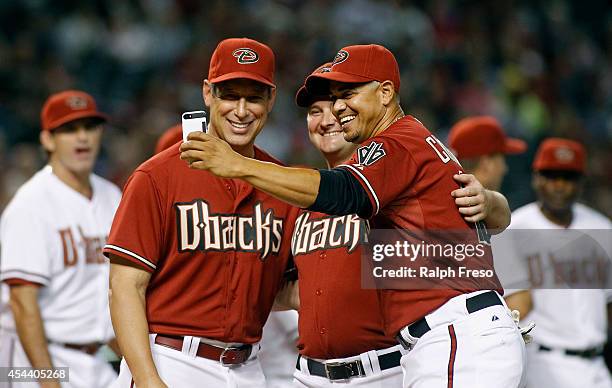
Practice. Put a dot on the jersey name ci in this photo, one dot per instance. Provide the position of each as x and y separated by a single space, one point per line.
92 246
201 230
327 233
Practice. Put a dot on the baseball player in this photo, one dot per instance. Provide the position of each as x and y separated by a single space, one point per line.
337 344
279 338
52 267
196 260
480 144
349 344
400 177
571 324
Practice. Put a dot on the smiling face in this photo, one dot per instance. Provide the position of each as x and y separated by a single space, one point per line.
358 107
238 111
74 146
326 134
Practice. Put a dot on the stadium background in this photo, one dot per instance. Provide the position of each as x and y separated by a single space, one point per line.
542 67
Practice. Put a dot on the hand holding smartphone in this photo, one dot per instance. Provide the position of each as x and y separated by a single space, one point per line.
193 122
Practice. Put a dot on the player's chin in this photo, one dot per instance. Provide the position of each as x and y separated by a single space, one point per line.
239 140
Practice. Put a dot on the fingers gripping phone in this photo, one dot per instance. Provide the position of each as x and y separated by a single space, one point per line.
193 122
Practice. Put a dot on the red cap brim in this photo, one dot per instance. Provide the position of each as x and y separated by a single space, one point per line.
75 116
242 74
319 83
514 146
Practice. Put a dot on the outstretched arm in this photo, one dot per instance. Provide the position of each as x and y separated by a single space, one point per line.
296 186
300 186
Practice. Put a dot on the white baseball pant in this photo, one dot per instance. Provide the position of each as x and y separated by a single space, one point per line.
179 369
482 349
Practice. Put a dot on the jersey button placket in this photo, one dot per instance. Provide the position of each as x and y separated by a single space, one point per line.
318 292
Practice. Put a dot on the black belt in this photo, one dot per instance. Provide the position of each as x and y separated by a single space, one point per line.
473 304
349 369
586 353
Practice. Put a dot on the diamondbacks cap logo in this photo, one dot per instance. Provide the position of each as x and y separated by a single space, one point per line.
245 55
76 102
564 155
340 57
368 155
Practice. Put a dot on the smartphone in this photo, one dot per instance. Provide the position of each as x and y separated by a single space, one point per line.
193 122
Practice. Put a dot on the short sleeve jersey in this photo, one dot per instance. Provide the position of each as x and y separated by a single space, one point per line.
53 236
408 176
216 248
565 318
338 318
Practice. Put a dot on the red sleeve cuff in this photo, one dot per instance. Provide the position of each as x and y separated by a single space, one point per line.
132 257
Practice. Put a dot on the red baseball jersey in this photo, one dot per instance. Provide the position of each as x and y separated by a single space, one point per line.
337 317
217 248
408 175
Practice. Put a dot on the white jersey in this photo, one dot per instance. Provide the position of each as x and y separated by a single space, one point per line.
53 236
565 318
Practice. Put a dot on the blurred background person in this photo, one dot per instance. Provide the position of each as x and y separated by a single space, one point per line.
560 246
54 276
481 145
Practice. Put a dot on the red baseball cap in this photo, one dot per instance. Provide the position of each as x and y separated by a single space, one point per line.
242 58
482 135
357 64
170 137
303 98
560 154
66 106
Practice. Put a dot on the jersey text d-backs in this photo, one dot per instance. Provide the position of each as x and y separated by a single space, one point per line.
408 176
337 317
217 248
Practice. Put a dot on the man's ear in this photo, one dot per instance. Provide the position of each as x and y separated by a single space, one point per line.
272 99
207 92
387 91
47 141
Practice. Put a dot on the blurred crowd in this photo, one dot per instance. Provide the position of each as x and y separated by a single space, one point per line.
542 68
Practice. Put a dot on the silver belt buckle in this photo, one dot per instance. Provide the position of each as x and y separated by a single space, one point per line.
330 364
348 370
228 359
406 339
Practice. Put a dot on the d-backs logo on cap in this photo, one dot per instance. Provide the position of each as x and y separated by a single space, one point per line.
564 155
246 55
340 57
76 102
